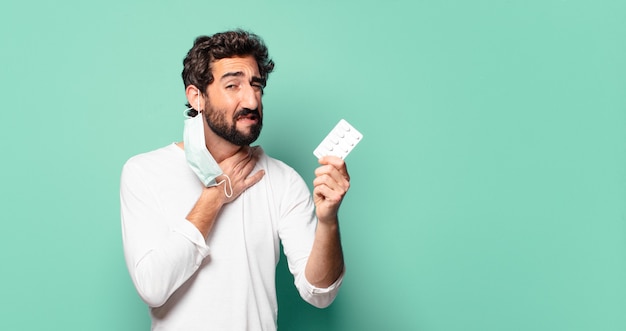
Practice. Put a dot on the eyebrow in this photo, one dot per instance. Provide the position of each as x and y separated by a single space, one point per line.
232 74
255 79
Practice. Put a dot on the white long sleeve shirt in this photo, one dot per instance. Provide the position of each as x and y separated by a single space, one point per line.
226 282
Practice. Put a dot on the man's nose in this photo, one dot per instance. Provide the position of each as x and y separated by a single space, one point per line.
250 97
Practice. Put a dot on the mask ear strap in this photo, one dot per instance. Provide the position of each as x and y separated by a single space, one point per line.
187 112
225 181
198 109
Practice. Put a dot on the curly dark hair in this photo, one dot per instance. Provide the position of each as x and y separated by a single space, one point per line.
197 64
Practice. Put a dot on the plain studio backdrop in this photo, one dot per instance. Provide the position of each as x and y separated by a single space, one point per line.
488 193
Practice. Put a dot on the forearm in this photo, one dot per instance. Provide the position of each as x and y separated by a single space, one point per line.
205 211
325 263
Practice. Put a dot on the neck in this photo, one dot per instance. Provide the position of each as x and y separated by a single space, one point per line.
220 149
219 153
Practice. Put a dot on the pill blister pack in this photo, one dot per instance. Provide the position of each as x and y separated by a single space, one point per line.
340 141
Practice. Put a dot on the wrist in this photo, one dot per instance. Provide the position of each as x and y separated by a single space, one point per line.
213 195
326 217
328 224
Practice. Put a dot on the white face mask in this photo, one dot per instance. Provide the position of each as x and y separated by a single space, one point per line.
198 157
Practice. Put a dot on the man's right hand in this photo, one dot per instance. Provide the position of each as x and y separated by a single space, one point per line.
238 168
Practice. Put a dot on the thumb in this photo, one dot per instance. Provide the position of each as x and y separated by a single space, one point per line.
253 179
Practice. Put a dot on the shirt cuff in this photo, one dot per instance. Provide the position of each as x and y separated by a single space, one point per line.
189 231
310 288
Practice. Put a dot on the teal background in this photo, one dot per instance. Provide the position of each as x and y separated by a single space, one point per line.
489 192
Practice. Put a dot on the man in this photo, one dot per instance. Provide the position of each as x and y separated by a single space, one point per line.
203 219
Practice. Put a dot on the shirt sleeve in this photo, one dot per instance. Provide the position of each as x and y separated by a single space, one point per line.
160 254
297 233
317 296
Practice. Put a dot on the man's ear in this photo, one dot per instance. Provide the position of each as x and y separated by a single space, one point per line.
194 98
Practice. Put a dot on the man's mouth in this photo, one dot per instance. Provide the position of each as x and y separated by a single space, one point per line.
247 114
252 117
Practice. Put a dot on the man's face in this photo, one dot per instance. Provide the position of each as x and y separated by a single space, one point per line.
234 110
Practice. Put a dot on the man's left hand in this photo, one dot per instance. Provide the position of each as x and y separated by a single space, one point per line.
331 183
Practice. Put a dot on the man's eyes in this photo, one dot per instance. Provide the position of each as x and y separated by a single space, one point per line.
232 84
255 86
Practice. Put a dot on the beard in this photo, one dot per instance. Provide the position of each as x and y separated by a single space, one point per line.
217 122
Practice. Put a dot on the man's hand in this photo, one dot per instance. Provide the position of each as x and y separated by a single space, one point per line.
331 183
238 168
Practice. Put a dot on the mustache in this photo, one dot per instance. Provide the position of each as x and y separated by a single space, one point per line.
246 112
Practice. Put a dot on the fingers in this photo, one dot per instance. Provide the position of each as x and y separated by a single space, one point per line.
238 169
331 183
247 164
253 179
242 163
332 173
334 160
243 157
328 194
329 189
337 163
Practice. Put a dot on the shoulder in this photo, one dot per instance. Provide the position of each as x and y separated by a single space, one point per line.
155 162
169 152
281 176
